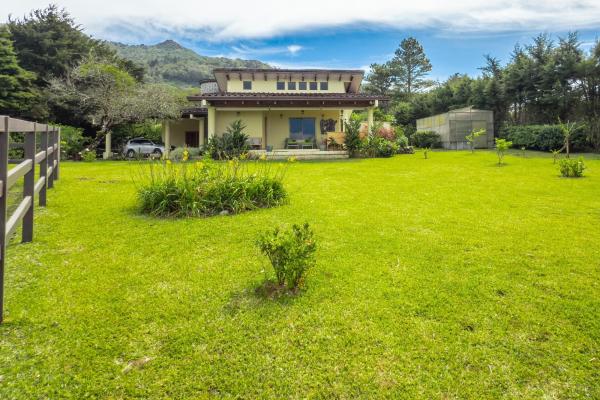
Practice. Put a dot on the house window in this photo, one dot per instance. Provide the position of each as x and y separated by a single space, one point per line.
247 85
313 86
302 128
280 85
301 85
291 85
324 85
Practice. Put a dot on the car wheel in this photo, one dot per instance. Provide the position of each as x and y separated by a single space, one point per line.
157 153
130 153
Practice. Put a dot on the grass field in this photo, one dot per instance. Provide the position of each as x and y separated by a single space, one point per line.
442 278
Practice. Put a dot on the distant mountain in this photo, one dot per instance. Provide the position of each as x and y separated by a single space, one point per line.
172 63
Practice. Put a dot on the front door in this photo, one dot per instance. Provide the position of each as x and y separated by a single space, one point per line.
192 139
302 128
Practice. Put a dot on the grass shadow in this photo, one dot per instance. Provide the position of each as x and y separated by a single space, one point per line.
266 293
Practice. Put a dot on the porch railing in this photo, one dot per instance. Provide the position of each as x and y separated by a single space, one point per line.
48 159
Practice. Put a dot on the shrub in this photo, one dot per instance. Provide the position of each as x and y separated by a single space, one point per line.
426 139
88 155
352 136
291 253
206 187
177 154
71 141
387 133
376 146
571 168
232 143
501 146
543 137
471 137
402 141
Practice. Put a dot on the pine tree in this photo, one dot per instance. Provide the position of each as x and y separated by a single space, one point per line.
410 66
16 84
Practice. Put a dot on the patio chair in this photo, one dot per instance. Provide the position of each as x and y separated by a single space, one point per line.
307 144
292 144
255 143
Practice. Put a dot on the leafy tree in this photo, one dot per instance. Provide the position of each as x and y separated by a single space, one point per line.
410 66
568 129
379 80
16 84
471 137
109 96
502 145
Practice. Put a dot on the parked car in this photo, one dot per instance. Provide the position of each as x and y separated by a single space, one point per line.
143 147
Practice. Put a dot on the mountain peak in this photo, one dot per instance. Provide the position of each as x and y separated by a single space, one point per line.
169 44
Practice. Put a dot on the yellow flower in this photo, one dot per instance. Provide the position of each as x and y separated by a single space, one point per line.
292 159
186 155
263 157
230 163
168 162
243 156
199 164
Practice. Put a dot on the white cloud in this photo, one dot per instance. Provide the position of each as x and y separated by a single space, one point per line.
294 49
211 20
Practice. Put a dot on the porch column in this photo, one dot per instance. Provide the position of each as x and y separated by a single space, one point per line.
167 129
201 131
369 120
107 146
210 120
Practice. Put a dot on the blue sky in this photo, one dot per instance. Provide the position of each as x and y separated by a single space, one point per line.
334 33
351 48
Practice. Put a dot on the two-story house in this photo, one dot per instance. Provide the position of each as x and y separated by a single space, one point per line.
278 106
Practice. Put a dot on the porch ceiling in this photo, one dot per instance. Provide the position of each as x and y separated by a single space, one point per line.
280 100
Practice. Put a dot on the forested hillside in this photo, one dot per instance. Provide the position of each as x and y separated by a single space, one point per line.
172 63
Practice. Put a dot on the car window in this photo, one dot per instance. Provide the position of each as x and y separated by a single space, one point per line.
134 141
145 142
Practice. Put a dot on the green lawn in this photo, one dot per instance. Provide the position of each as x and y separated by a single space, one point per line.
442 278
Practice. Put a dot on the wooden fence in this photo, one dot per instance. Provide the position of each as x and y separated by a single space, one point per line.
46 153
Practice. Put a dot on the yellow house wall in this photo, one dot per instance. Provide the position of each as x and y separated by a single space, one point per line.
252 119
235 85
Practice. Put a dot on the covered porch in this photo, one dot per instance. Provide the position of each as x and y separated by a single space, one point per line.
272 122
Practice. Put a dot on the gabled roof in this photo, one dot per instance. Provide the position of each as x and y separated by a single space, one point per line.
354 76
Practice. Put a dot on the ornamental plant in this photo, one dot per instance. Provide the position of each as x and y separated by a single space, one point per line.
570 168
291 253
501 146
207 187
471 137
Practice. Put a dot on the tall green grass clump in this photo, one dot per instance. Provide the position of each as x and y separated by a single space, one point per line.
207 187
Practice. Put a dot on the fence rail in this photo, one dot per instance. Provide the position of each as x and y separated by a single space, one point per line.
48 159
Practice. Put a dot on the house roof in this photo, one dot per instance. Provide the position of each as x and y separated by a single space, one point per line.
268 99
354 76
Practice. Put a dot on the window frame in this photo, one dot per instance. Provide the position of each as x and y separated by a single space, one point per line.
282 85
302 83
291 85
244 85
314 85
323 85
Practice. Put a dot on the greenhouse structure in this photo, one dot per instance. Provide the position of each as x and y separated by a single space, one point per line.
455 125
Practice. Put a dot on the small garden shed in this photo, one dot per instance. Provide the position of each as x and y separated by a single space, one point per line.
455 125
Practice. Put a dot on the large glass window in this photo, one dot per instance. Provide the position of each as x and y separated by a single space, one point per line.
324 86
280 85
313 86
301 85
247 85
302 128
291 85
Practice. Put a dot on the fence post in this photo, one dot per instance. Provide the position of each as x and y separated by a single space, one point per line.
57 153
44 166
28 184
50 159
3 192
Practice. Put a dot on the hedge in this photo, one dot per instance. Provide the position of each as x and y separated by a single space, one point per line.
542 137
